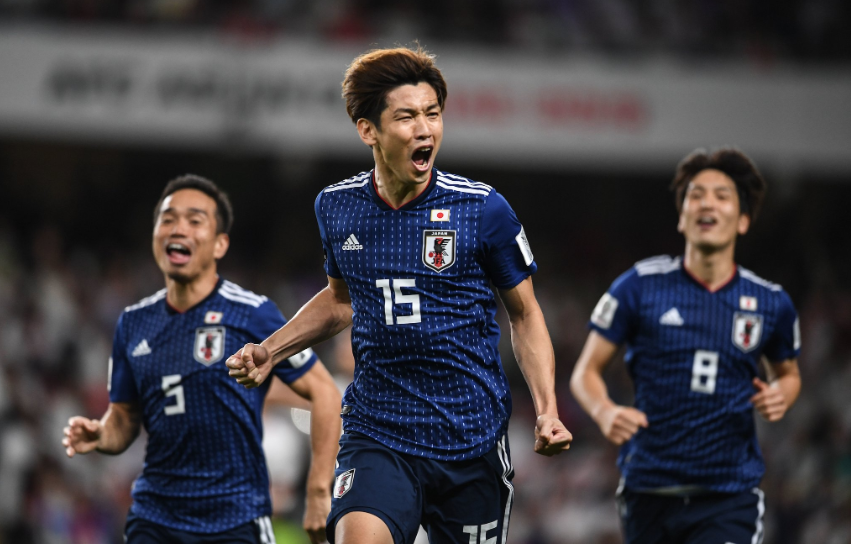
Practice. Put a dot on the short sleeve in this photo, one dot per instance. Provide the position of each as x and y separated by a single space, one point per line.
121 382
508 256
616 314
266 320
785 341
330 262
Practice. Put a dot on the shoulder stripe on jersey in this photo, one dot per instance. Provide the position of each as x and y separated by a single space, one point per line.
460 190
235 289
235 298
234 292
147 301
657 265
748 275
452 178
357 181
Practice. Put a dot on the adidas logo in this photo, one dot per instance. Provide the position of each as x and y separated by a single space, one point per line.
672 317
351 243
142 349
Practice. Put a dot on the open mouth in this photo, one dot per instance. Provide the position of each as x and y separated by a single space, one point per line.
178 253
706 222
421 157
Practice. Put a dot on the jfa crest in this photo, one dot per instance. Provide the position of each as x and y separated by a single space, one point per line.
209 344
343 483
747 331
439 249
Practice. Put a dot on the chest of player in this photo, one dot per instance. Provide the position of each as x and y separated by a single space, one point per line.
192 345
691 318
430 241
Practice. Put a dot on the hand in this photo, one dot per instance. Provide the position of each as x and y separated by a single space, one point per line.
551 436
81 435
250 365
317 507
769 401
620 423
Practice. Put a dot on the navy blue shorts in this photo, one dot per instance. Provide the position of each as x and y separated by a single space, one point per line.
457 502
713 518
142 531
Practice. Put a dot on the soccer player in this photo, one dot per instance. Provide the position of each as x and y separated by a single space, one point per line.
411 252
696 328
205 477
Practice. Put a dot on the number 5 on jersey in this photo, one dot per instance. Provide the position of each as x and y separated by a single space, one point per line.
172 388
393 287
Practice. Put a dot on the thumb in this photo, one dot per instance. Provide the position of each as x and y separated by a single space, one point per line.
642 419
759 384
91 425
248 356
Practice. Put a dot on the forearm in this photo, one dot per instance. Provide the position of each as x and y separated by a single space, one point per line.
790 385
121 425
325 429
533 350
321 318
590 391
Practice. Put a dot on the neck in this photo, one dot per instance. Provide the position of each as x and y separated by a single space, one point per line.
713 268
183 296
395 191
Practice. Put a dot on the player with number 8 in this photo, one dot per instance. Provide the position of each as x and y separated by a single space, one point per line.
696 328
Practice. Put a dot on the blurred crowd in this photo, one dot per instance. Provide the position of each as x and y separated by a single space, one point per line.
60 297
762 30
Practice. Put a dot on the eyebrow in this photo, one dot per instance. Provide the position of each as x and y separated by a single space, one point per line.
189 211
413 111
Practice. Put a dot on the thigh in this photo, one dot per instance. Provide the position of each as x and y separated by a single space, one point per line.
469 501
733 519
645 517
374 479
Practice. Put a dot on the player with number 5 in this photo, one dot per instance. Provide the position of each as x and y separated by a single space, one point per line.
205 478
411 252
696 328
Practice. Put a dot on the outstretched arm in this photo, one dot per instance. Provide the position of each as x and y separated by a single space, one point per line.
326 314
774 399
318 387
534 353
618 423
112 434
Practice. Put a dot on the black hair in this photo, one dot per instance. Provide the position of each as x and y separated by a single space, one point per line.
224 210
750 184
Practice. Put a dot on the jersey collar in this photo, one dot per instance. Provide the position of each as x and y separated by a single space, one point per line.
170 310
733 277
383 204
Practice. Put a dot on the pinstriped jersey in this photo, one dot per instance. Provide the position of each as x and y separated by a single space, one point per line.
692 355
428 379
204 470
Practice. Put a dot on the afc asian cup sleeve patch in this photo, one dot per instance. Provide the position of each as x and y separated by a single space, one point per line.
604 312
344 483
525 248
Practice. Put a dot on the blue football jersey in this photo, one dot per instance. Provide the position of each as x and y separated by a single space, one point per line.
428 378
692 355
205 470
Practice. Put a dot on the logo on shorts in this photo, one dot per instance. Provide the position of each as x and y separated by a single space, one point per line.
747 331
344 483
209 344
439 249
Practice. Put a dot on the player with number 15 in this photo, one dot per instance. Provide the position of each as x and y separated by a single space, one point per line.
411 252
696 328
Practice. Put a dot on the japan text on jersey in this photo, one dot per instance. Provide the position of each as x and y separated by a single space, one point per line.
692 354
428 378
201 424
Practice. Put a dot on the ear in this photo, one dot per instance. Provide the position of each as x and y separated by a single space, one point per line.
222 245
367 131
681 223
743 224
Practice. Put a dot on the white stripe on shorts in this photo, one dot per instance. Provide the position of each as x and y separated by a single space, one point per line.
506 470
264 527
